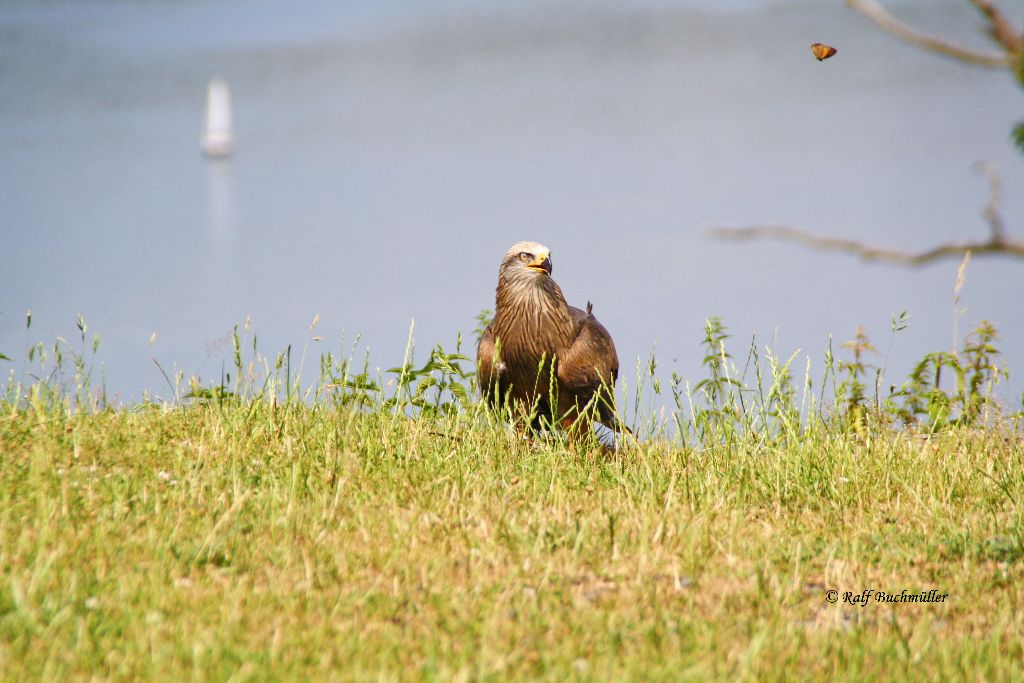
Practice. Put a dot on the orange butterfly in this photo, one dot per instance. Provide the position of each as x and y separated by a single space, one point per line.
822 51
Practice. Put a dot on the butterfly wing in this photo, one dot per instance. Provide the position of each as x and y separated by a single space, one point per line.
822 51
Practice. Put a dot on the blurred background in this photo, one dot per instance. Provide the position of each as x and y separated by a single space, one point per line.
389 151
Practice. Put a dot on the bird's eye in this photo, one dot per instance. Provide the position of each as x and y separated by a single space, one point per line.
524 256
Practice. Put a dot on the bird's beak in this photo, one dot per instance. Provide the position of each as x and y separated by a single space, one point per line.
542 262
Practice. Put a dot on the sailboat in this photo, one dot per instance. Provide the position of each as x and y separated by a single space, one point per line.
217 140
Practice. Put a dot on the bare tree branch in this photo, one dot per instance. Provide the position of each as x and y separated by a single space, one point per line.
999 26
997 244
1004 247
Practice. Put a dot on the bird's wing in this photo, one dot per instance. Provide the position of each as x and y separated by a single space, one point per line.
591 359
486 374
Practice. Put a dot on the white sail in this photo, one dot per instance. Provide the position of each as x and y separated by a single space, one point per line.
217 140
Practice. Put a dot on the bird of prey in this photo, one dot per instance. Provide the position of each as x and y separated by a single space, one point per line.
545 358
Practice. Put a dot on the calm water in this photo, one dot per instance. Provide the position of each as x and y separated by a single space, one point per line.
389 152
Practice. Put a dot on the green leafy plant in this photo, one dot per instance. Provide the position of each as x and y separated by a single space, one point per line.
441 386
483 319
852 391
718 414
974 372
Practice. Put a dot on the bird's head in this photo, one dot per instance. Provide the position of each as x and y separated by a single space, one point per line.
526 260
524 280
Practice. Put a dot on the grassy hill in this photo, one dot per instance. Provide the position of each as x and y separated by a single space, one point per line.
236 537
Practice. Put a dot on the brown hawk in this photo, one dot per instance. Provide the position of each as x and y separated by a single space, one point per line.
547 359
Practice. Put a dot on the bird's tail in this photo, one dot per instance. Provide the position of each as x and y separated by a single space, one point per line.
608 415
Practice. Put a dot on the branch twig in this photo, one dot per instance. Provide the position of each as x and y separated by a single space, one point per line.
990 212
999 27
